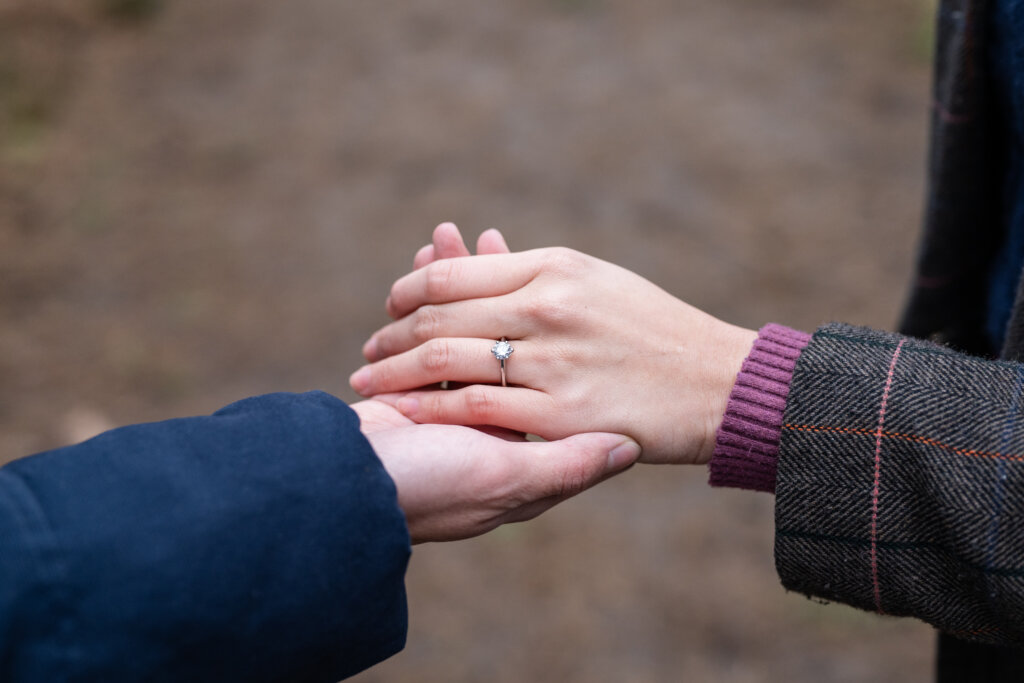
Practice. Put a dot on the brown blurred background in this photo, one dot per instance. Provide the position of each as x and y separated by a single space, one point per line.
201 201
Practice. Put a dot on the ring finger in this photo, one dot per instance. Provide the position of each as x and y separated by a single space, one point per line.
473 318
464 360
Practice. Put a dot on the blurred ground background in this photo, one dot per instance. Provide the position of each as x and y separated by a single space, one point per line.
202 201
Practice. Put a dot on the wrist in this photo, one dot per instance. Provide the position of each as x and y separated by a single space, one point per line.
732 348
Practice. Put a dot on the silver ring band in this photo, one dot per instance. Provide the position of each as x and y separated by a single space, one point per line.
502 350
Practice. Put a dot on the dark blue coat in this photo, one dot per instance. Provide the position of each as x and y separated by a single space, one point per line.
262 543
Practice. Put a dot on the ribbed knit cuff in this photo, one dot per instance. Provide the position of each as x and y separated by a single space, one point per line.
747 444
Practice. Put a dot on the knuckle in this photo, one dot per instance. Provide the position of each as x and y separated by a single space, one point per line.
426 323
437 356
440 275
574 479
554 306
564 261
481 405
435 408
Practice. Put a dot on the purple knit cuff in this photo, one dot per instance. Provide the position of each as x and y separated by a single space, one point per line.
747 444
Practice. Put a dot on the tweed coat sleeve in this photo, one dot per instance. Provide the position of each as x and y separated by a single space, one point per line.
900 483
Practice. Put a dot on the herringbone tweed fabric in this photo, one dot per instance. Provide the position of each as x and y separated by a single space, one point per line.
901 482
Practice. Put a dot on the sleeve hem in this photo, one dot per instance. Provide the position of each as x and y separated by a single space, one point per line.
747 443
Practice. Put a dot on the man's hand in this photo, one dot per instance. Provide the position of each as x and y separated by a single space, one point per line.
458 482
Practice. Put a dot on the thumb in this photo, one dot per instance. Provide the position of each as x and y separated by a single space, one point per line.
568 466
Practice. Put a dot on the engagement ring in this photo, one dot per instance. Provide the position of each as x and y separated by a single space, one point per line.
502 350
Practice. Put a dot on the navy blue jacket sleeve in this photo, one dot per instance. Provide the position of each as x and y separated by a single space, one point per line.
262 543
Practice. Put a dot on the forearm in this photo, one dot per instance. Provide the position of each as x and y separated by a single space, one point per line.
261 543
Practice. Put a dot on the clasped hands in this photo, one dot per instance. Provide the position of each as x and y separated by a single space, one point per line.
608 368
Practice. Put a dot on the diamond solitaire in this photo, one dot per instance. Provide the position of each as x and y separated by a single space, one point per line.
502 350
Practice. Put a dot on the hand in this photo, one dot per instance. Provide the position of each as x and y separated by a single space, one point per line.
597 348
446 243
458 482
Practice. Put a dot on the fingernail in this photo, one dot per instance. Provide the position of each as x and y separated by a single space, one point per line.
360 379
370 349
408 406
623 455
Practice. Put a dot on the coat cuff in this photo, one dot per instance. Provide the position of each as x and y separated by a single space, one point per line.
747 443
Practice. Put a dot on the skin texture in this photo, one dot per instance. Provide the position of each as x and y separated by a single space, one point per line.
456 482
597 348
459 482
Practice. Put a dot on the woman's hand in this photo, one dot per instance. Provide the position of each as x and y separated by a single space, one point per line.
459 482
596 348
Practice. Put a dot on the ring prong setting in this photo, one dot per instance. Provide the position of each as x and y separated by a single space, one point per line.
502 349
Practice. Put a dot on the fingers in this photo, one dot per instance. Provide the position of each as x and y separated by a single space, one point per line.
491 242
456 279
515 408
424 256
491 318
467 361
448 242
